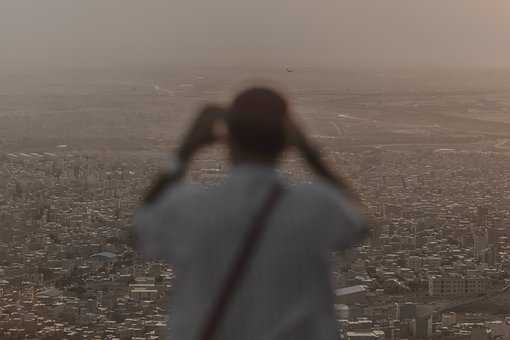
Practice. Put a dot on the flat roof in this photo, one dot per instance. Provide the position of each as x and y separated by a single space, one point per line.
350 290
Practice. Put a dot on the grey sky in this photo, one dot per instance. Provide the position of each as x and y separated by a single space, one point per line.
71 33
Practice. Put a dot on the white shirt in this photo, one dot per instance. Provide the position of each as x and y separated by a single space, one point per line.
287 291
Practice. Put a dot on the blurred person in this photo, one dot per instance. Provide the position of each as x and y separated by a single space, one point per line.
282 287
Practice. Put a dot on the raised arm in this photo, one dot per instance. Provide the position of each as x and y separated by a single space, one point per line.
159 216
353 225
200 134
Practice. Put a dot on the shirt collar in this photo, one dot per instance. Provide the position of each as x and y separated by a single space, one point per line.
247 168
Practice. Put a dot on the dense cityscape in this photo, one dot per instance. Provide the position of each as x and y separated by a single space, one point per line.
436 265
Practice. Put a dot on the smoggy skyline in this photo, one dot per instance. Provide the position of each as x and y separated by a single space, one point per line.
337 33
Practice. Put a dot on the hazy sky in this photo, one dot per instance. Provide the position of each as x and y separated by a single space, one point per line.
341 33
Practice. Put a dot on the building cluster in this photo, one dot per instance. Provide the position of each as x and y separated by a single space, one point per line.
438 246
439 243
67 268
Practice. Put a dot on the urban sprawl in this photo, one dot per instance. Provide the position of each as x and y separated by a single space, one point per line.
436 264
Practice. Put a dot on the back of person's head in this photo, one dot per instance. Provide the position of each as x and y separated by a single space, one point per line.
260 128
256 123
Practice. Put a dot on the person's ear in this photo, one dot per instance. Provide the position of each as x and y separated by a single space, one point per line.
293 134
220 131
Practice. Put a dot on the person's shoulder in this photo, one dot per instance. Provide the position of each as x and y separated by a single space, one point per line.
182 192
321 195
319 190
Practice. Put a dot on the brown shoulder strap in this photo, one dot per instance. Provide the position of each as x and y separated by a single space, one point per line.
240 265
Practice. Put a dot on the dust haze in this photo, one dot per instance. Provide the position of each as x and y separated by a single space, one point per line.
326 33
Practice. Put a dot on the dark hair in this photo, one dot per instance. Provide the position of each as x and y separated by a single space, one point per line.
259 123
256 122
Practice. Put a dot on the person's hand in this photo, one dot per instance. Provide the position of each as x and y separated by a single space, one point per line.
297 138
203 132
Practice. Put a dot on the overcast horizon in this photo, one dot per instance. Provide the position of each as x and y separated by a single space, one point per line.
59 34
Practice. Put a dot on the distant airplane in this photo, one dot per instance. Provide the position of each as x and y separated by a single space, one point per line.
288 69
